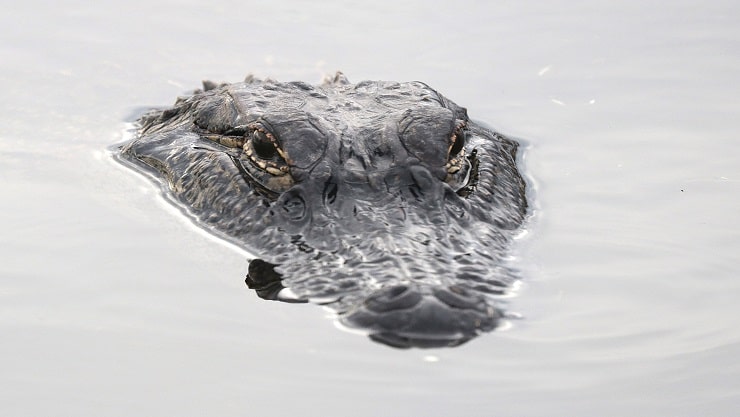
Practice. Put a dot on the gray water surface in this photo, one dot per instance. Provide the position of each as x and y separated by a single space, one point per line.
111 303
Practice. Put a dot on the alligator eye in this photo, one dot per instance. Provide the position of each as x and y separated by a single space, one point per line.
263 146
266 163
458 141
263 150
458 165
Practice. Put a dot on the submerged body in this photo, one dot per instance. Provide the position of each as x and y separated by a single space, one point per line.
381 200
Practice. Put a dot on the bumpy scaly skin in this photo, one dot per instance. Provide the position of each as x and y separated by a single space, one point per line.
379 199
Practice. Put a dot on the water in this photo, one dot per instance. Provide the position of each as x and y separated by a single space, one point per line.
112 304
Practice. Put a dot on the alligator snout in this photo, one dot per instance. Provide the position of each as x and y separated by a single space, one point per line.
422 315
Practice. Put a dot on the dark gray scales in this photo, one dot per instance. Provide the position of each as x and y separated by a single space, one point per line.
381 200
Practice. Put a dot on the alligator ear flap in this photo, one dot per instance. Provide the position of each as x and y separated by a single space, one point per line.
337 80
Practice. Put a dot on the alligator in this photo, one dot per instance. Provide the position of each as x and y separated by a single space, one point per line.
380 200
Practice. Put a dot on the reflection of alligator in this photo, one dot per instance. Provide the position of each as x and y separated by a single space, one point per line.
380 200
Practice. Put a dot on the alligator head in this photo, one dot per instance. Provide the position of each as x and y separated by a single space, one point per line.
380 200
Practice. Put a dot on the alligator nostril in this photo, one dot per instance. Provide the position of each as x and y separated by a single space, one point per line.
459 297
398 297
458 290
397 290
